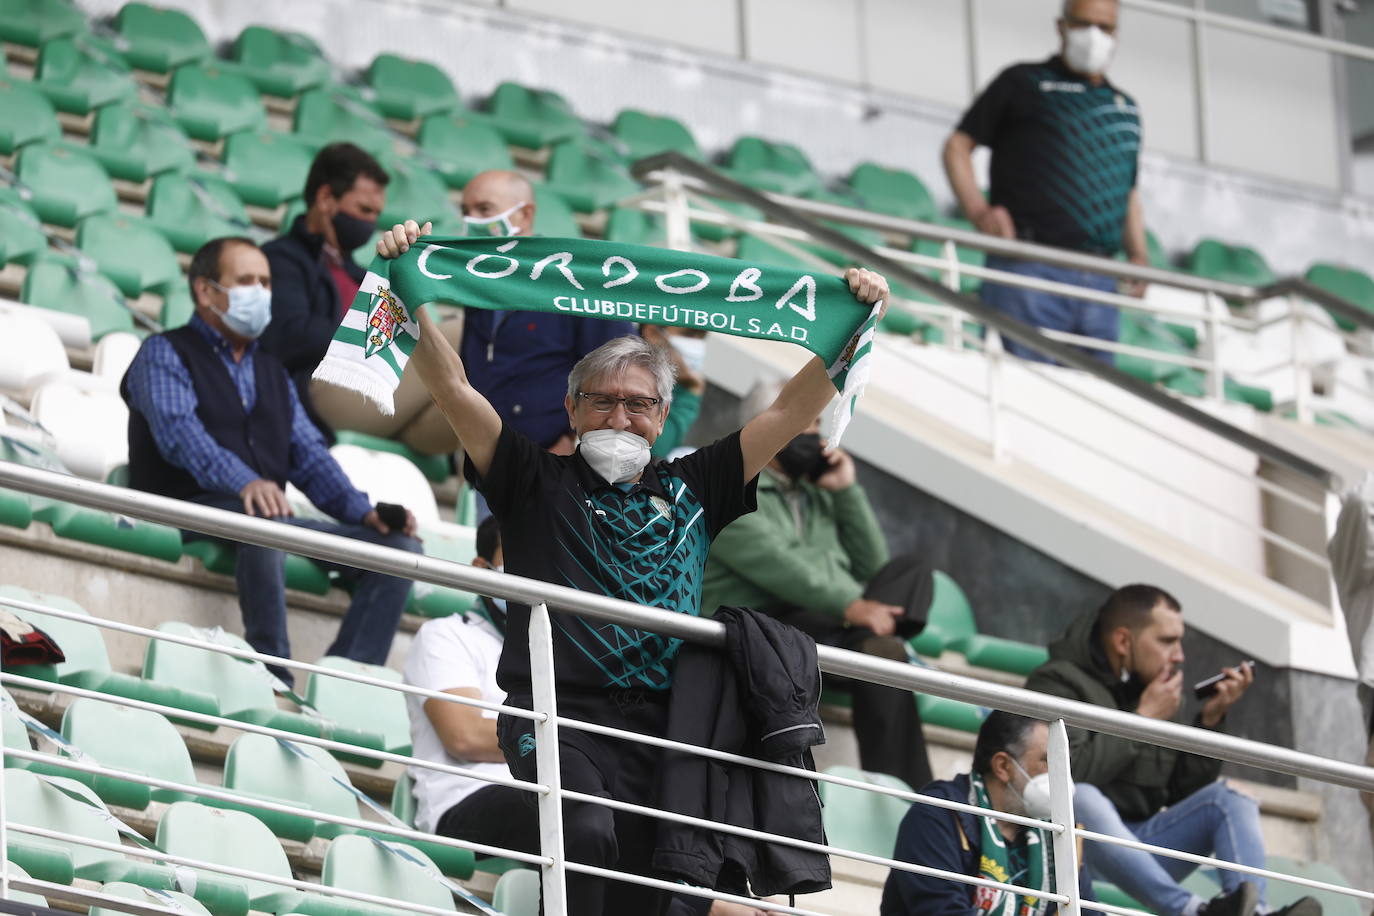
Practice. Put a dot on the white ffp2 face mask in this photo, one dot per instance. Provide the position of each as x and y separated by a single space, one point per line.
500 224
1088 50
615 454
1035 794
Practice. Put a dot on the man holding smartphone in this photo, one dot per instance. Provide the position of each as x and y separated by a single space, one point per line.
1128 655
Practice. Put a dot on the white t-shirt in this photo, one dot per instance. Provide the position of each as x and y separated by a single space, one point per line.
446 654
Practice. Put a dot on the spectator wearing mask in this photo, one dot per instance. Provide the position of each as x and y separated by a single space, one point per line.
214 419
1065 148
312 265
686 349
806 557
1128 655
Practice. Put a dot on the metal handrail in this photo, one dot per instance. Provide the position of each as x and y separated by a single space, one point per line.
361 555
1004 323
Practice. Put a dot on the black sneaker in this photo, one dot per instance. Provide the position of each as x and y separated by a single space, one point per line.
1239 902
1303 906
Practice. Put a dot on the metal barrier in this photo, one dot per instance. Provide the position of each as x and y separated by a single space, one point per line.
541 596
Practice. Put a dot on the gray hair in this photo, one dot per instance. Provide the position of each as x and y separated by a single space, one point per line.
615 356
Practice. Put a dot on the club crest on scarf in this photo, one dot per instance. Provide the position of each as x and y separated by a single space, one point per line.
384 317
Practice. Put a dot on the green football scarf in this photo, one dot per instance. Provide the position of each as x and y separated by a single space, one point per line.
596 279
995 864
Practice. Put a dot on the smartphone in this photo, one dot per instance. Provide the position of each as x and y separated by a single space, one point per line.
1204 689
392 515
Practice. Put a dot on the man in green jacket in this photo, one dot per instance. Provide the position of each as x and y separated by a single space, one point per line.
805 557
1128 655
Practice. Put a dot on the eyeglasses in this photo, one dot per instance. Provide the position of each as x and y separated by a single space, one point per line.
605 403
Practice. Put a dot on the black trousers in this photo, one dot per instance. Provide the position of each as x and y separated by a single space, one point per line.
607 767
494 815
886 721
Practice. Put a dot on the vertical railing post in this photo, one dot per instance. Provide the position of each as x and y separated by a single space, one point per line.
1302 373
950 277
555 888
993 353
1216 376
676 222
1061 810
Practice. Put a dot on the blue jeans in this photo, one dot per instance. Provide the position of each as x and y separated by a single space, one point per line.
260 574
1052 310
1214 821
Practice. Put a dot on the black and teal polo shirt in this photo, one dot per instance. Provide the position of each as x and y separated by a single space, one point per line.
647 543
1065 154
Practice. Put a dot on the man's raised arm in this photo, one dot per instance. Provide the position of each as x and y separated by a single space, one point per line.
472 417
804 396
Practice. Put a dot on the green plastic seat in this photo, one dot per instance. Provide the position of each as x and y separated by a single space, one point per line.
949 618
415 193
964 717
266 168
16 737
553 217
21 231
434 467
14 871
893 191
57 283
408 89
1002 654
130 252
770 166
211 102
184 903
532 118
137 741
1141 330
335 114
1217 260
81 73
177 308
107 529
35 22
758 251
715 232
194 208
26 116
362 706
1355 286
279 63
1282 893
259 766
68 183
974 257
136 142
160 39
645 134
585 180
402 797
517 893
1158 256
858 820
357 863
457 545
870 238
231 838
236 689
463 145
636 227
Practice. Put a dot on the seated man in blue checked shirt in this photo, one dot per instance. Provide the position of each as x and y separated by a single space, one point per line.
214 419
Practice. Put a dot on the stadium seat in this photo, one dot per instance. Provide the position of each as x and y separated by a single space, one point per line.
301 574
1142 330
457 544
1217 260
408 89
1355 286
259 766
191 209
870 238
233 688
113 355
415 193
460 146
1281 893
964 717
21 232
974 257
585 180
645 134
31 353
334 113
532 118
858 820
129 251
58 283
68 183
136 142
182 903
770 166
755 250
15 872
283 64
26 116
434 467
211 102
362 706
517 892
358 863
893 191
177 308
107 529
34 22
231 838
402 794
388 477
636 227
266 168
553 217
81 73
138 741
16 734
950 618
716 232
89 424
160 39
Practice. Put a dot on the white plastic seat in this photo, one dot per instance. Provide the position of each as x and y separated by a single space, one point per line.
73 330
90 424
31 353
388 478
113 355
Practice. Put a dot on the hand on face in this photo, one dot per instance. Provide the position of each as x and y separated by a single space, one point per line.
841 474
1162 695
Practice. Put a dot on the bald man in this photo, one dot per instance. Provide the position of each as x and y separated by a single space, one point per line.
520 361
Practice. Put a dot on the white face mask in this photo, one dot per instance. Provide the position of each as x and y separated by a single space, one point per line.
1035 794
616 454
490 223
692 350
1088 50
249 311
